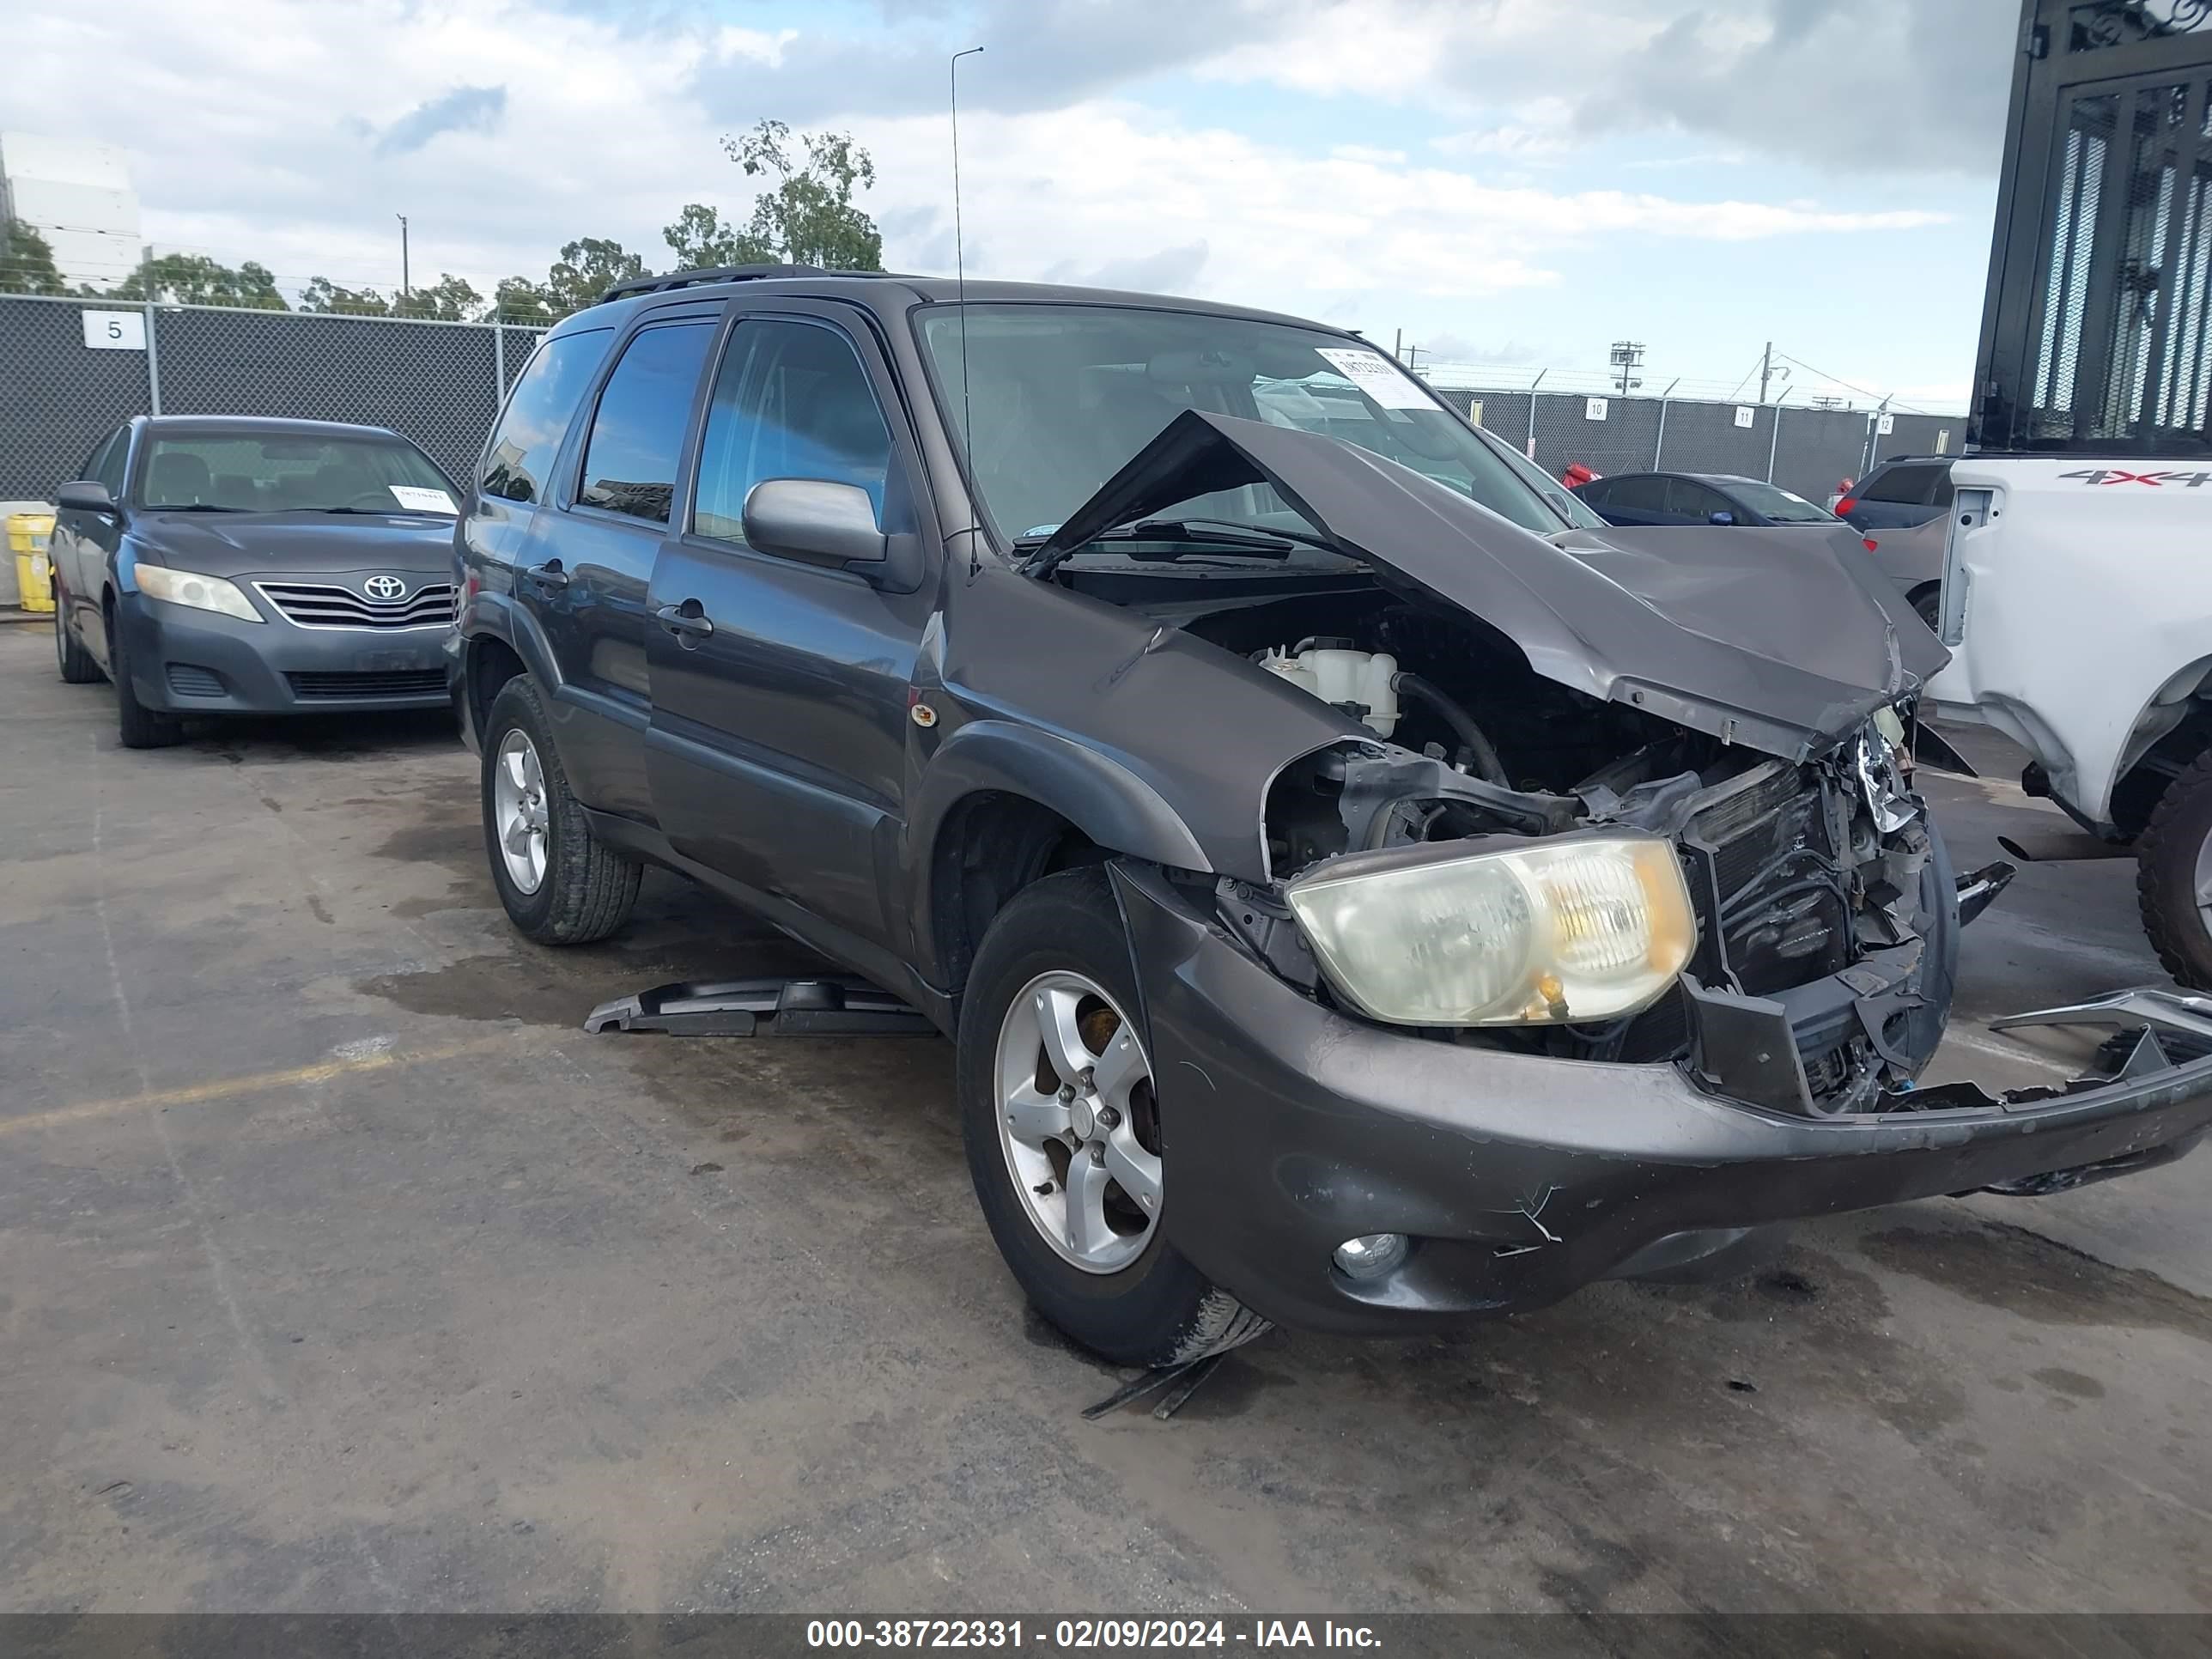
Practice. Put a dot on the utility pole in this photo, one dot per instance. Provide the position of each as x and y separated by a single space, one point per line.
1398 345
1765 370
1627 356
405 287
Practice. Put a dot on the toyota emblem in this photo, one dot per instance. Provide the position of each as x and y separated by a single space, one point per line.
385 589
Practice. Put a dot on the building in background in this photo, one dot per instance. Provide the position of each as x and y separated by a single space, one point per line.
78 197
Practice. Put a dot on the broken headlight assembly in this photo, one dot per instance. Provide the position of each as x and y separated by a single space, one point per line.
1571 928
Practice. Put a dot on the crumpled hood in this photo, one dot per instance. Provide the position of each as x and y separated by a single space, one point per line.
1782 640
295 543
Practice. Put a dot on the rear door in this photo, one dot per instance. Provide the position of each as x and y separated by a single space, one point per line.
778 750
1638 500
588 561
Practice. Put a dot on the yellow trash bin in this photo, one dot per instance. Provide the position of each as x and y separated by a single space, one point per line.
27 536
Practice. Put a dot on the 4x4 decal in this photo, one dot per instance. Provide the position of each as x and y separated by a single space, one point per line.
2107 474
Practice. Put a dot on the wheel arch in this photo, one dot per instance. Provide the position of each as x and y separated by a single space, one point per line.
2174 727
1001 805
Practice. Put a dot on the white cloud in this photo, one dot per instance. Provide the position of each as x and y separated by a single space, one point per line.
254 132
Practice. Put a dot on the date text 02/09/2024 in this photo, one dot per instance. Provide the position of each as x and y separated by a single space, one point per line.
1086 1634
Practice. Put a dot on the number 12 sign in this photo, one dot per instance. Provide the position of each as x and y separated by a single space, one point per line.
115 331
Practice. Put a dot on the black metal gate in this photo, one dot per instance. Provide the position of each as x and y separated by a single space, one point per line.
2097 329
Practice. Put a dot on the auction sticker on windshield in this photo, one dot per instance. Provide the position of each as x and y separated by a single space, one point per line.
416 499
1378 377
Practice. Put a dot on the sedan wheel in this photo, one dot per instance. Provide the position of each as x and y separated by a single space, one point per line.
519 810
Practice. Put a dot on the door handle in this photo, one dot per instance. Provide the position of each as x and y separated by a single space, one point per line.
549 574
685 621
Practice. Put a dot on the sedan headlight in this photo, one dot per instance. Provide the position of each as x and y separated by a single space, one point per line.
159 581
1574 928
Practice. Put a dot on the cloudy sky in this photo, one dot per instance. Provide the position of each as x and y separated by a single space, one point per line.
1509 182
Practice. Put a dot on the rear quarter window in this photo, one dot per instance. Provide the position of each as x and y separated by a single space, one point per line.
519 459
1907 486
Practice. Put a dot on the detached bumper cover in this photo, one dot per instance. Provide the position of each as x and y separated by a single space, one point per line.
1521 1178
195 662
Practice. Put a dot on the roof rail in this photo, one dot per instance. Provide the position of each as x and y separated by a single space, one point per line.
675 279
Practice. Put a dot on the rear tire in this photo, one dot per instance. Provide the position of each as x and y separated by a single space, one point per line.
583 890
1929 603
75 662
1138 1302
139 727
2173 862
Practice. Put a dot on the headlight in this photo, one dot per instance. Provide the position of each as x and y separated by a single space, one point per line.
1578 927
159 581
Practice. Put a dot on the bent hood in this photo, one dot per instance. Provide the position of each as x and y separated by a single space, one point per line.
1785 641
295 543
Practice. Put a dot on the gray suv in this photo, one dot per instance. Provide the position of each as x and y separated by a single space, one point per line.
1900 492
1365 892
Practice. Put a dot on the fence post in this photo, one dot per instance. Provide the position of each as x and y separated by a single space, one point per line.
1774 443
152 365
498 367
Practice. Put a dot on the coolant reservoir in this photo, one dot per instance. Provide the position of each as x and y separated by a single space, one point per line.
1339 676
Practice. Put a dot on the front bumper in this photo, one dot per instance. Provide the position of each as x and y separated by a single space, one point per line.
185 661
1521 1178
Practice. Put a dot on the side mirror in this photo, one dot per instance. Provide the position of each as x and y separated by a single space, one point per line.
85 495
1720 518
815 521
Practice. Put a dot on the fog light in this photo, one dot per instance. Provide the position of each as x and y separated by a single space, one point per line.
1370 1255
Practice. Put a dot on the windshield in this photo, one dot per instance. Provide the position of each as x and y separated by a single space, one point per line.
1779 504
1061 396
235 472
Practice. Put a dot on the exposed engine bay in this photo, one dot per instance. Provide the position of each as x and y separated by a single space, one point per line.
1798 871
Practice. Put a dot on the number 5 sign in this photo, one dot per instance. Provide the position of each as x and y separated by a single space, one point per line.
115 331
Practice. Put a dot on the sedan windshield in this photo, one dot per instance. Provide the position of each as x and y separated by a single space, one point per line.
1058 398
1779 505
234 473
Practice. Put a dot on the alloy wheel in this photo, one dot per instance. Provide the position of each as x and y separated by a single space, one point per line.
519 810
1078 1122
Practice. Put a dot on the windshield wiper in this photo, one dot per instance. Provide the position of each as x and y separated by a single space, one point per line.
192 506
1218 536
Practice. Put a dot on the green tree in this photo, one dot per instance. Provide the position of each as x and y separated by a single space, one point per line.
804 215
27 262
322 294
193 279
587 268
701 240
449 299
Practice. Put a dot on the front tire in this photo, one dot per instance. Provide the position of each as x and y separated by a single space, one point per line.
560 884
2173 876
1063 1132
139 727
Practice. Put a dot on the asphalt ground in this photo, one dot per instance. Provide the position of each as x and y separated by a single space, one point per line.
341 1271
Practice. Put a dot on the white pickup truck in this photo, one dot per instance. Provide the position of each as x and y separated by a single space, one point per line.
2077 605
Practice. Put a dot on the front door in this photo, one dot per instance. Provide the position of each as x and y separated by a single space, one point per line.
778 749
82 543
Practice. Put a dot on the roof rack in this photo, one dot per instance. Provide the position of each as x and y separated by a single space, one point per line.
675 279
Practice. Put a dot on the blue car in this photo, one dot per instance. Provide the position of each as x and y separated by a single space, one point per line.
1678 498
216 565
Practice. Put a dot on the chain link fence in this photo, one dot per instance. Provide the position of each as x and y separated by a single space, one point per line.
1808 451
439 384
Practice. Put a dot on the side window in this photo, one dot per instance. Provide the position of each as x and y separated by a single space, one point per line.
792 401
1690 499
1941 496
109 466
518 460
1639 496
637 432
1597 492
1906 485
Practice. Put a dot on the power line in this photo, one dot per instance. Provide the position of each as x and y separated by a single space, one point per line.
1838 379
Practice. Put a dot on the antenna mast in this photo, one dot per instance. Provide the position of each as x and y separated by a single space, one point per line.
960 282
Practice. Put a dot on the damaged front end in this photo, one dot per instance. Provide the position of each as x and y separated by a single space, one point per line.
1817 974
